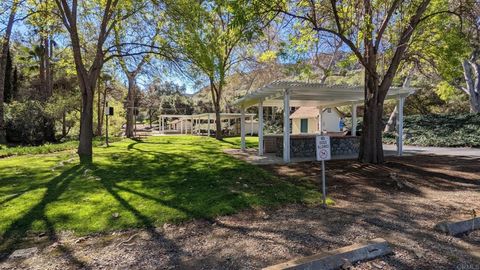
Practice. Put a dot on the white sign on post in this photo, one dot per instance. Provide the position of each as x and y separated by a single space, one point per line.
323 148
323 153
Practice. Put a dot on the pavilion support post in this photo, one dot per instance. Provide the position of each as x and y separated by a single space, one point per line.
320 120
354 119
286 126
251 126
163 124
228 126
242 129
260 129
400 103
208 126
181 126
194 126
191 125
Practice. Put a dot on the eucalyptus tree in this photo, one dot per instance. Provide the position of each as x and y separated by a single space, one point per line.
208 36
9 8
448 51
370 29
470 12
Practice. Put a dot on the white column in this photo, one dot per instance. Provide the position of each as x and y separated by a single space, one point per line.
242 129
163 127
400 103
354 120
208 126
251 126
320 120
260 129
191 125
181 126
286 126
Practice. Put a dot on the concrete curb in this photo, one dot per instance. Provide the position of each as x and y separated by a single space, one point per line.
336 258
458 227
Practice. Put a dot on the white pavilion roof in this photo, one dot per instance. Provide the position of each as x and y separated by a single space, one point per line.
206 115
312 94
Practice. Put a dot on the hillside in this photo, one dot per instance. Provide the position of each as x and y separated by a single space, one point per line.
240 84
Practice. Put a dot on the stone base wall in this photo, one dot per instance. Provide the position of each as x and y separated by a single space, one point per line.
345 145
305 146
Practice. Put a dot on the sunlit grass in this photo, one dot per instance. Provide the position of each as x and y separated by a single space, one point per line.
7 151
135 184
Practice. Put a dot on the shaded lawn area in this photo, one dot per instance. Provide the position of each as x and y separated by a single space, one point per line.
134 183
7 150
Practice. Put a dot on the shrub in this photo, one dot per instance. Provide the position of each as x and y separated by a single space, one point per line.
27 122
448 130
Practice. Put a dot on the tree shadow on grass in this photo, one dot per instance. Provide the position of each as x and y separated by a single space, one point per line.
18 230
146 221
199 187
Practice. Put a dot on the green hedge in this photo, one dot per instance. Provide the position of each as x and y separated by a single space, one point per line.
448 130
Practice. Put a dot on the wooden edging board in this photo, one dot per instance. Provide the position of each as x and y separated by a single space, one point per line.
458 227
336 258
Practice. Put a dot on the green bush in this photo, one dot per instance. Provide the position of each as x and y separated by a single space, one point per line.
447 130
28 123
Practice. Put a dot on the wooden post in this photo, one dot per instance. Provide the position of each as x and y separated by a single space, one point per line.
260 129
286 126
354 119
242 129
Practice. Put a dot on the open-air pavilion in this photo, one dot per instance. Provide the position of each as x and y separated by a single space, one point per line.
201 124
288 94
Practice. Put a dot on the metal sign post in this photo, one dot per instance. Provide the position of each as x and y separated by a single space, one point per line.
323 153
108 111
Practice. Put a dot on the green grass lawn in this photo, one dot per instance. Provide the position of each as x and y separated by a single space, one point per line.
148 183
7 151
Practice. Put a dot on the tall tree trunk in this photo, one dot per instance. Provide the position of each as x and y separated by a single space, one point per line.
5 43
392 120
86 119
130 107
47 55
100 111
215 91
371 150
64 124
47 86
218 123
42 70
87 78
471 71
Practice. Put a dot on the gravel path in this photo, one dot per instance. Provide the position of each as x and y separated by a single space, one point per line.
400 201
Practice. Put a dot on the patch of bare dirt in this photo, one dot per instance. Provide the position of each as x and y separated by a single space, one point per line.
400 201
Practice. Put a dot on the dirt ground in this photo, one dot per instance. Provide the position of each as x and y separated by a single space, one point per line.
400 201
